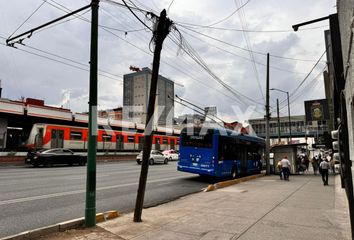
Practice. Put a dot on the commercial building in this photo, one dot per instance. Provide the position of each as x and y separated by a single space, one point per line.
136 91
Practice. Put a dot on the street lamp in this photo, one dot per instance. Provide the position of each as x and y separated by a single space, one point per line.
287 94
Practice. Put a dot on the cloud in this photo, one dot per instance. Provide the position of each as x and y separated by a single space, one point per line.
32 76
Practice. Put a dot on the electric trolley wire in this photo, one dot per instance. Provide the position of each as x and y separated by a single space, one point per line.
241 48
196 26
28 17
239 56
169 64
85 67
243 21
233 13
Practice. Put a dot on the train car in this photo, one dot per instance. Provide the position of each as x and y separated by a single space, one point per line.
48 136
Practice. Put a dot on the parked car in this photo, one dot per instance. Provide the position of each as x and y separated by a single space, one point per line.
172 155
155 157
50 157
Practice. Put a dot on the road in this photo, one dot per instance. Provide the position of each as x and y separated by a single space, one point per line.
36 197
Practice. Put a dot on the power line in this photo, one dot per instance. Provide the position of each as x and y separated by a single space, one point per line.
28 17
224 19
244 49
65 63
136 16
314 66
204 68
242 17
196 26
234 54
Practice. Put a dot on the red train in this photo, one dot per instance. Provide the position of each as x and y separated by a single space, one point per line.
119 138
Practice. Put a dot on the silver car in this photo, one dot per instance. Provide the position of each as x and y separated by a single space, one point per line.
155 157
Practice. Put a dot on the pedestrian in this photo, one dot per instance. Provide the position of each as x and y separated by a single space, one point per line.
285 167
315 164
324 166
307 162
280 169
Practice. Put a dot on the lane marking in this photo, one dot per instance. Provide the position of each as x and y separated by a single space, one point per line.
27 199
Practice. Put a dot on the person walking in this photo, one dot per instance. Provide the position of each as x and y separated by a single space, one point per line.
315 164
324 166
279 166
285 167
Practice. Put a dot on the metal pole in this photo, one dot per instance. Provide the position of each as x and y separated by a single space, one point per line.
287 94
90 210
267 116
279 138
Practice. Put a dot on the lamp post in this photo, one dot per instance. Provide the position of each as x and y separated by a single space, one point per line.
287 94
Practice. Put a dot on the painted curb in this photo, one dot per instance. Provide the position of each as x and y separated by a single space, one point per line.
61 227
223 184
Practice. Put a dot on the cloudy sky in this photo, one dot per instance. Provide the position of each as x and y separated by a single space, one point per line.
229 37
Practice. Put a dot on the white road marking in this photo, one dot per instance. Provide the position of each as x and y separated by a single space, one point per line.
27 199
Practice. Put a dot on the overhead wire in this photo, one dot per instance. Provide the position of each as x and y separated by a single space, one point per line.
162 60
28 17
239 56
59 61
229 16
251 31
244 49
186 47
243 21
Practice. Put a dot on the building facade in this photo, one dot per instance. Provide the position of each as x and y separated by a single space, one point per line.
136 91
300 128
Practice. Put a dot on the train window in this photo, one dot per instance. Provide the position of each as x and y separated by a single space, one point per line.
75 135
164 141
107 138
131 139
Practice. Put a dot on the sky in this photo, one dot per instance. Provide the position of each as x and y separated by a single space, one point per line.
216 52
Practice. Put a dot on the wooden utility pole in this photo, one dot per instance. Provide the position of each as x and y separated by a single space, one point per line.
163 28
267 117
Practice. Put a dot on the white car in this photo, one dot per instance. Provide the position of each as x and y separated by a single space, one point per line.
172 155
155 157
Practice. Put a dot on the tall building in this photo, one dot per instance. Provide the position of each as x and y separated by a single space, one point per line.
136 91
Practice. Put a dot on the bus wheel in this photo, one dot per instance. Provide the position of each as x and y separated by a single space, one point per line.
234 173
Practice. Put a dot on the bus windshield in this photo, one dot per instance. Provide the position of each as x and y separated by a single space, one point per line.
197 140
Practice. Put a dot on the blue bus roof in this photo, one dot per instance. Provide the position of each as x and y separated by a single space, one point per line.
231 133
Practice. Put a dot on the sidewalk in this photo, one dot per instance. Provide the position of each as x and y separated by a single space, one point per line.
264 208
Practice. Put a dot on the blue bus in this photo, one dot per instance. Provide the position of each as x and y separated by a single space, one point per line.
219 152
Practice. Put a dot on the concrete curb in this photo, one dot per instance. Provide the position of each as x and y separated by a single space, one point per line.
223 184
61 227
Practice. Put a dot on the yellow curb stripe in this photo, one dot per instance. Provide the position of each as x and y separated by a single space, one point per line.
232 182
111 214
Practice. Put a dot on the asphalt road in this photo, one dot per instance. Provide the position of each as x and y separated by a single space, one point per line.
37 197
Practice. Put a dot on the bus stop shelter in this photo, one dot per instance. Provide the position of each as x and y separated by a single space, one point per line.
290 150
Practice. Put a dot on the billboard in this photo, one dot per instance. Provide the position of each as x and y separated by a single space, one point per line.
317 110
